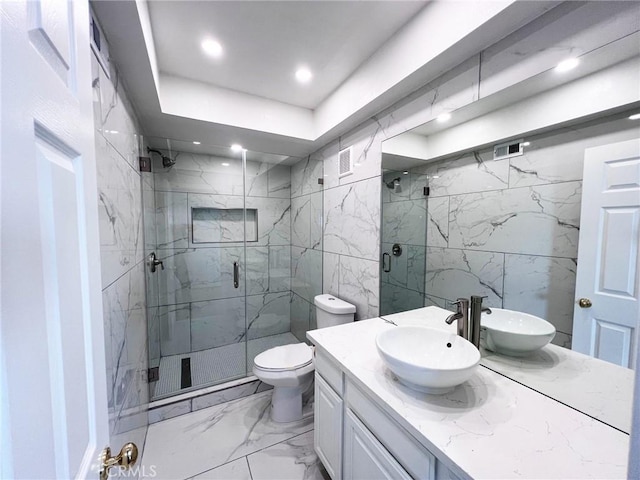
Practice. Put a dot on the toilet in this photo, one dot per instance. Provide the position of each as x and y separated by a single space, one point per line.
289 368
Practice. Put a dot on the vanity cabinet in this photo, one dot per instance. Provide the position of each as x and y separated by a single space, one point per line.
356 440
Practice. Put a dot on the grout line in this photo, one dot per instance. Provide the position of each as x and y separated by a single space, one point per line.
246 459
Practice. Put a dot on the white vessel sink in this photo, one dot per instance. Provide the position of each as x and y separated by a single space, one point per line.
515 333
427 360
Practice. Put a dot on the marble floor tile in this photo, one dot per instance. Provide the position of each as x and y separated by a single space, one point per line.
292 459
236 470
199 441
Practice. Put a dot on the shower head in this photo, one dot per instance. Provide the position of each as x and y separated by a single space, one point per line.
393 183
166 161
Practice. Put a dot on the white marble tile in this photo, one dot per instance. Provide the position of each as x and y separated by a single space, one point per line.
305 175
228 432
119 213
416 267
366 145
359 284
226 395
567 31
539 220
279 181
438 222
559 157
453 273
216 323
300 316
268 269
117 124
405 222
541 286
199 274
293 459
268 314
235 470
352 219
330 273
395 299
175 329
562 340
171 220
471 172
197 173
169 411
257 179
153 333
315 220
305 267
148 217
301 221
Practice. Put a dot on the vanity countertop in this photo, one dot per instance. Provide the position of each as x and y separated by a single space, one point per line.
488 427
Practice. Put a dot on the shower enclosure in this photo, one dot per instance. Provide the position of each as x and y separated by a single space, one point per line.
218 246
404 238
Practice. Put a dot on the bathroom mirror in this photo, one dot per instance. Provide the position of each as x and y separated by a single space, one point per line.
502 220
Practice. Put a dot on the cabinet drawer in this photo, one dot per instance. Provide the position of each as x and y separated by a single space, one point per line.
416 459
364 456
329 371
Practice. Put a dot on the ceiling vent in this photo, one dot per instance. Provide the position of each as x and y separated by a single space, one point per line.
508 150
345 161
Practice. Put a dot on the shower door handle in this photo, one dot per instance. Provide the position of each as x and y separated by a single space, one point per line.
236 275
388 257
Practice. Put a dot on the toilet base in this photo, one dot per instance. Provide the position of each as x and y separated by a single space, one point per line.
286 404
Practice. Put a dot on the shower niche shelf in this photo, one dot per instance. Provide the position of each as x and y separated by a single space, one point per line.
224 225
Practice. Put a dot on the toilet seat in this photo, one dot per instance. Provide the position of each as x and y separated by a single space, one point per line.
284 358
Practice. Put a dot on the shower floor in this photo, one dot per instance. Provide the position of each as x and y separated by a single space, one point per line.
215 365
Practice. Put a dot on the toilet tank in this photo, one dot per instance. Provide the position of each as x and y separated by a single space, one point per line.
331 311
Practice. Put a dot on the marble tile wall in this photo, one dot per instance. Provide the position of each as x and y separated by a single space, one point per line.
120 190
198 305
352 206
508 229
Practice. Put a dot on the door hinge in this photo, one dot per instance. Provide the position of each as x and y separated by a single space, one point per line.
153 374
425 191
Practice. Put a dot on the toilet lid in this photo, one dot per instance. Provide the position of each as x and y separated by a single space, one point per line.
286 357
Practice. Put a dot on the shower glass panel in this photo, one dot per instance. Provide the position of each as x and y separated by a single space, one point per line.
220 221
404 237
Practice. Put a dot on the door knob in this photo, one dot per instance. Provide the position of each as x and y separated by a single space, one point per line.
584 303
127 457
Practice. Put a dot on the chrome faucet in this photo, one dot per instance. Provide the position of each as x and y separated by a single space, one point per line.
462 316
476 313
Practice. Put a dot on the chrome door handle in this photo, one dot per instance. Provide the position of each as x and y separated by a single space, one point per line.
386 270
236 275
127 457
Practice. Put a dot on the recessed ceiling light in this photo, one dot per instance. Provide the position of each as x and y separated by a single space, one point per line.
236 148
567 64
212 47
635 116
526 144
405 172
225 164
303 75
196 143
444 117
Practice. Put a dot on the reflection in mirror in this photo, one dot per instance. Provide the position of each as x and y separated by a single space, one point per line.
219 220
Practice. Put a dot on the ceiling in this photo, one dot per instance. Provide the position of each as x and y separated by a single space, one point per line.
265 42
365 56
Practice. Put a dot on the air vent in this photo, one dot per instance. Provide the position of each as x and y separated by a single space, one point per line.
345 160
508 150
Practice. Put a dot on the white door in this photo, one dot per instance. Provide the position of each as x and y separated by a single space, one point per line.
607 307
52 373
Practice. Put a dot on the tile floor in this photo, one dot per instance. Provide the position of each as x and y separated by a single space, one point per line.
233 441
216 365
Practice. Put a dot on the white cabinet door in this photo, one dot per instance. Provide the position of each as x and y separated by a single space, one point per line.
364 456
328 427
609 256
53 394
